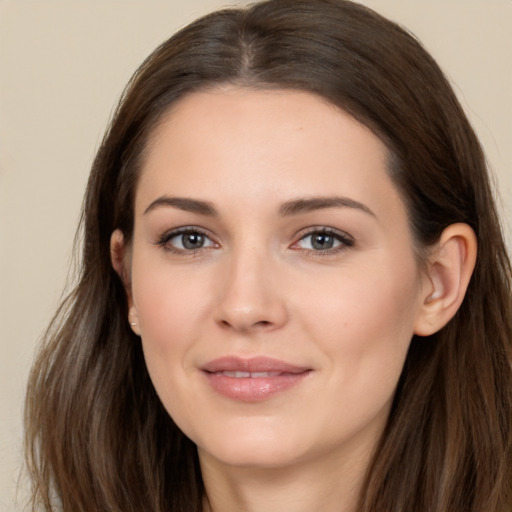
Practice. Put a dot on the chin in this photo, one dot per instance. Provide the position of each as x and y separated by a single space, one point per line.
261 448
246 457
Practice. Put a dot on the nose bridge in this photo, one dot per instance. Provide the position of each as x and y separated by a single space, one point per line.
251 298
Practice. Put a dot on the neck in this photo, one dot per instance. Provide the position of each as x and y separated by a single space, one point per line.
328 487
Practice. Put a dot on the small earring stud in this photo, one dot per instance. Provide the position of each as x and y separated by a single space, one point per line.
133 324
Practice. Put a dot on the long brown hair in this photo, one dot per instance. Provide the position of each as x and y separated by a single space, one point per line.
97 437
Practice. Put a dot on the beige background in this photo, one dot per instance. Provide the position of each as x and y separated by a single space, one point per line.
62 68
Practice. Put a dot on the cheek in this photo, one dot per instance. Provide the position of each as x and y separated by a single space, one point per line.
170 313
164 297
170 316
364 334
364 321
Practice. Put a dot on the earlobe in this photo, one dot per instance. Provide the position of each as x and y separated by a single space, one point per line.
133 320
450 267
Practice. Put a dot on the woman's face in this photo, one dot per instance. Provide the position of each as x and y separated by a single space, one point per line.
273 277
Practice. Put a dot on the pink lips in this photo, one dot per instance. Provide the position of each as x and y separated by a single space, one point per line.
254 379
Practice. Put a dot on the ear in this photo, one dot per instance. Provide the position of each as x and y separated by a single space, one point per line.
450 266
120 258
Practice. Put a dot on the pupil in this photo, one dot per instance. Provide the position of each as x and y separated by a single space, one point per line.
193 240
322 242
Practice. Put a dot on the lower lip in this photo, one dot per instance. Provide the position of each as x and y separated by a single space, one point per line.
248 389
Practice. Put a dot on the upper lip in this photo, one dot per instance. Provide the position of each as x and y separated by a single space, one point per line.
252 364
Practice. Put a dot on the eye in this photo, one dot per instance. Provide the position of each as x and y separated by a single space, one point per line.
185 240
324 240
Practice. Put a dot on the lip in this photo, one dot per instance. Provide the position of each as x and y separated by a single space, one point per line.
254 379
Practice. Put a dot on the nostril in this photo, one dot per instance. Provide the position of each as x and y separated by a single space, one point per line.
261 324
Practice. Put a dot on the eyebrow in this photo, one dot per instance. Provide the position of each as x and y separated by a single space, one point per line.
295 207
304 205
184 203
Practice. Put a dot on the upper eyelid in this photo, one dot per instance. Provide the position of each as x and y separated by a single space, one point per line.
185 229
171 233
324 229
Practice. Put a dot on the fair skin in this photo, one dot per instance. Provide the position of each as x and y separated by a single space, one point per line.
266 226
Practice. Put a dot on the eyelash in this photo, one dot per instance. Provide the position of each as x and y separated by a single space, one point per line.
164 240
344 239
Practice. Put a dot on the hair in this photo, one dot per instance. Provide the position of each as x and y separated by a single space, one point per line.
97 436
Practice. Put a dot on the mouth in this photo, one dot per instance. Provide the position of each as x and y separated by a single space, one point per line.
252 380
249 375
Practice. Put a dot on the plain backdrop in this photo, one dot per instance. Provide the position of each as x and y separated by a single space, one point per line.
63 65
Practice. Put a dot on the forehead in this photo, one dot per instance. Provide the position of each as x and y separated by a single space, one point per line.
271 143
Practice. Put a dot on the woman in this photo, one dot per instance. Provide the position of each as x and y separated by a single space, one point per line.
294 293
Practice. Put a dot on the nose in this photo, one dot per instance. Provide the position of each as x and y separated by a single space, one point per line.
251 299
